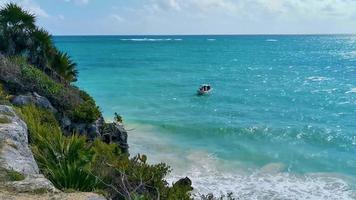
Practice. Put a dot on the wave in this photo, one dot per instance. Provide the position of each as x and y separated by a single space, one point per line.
211 39
271 40
267 183
211 174
353 90
318 78
150 39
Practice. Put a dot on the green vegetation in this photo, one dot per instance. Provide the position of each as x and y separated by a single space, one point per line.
73 163
87 111
21 37
64 160
36 65
71 101
118 118
10 175
4 120
4 97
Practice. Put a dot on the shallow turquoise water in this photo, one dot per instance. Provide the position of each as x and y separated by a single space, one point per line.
277 99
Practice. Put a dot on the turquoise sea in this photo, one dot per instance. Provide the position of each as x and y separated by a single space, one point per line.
280 123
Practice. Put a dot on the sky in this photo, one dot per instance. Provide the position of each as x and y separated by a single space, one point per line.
176 17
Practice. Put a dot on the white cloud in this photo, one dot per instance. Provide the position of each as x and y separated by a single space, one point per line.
34 8
117 17
80 2
30 6
298 8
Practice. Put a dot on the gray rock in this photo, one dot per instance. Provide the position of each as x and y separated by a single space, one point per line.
65 123
32 183
92 130
116 133
15 153
35 99
95 129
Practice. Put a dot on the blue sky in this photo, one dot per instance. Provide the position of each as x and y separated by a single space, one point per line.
125 17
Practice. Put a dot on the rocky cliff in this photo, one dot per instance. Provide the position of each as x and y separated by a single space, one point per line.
20 177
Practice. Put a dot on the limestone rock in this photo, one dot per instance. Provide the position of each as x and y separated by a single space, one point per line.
35 99
15 153
32 183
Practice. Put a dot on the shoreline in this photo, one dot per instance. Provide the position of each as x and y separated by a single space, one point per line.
210 174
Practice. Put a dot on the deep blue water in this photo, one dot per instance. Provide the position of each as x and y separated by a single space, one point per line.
277 99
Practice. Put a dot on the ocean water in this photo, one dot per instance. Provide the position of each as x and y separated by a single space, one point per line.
280 123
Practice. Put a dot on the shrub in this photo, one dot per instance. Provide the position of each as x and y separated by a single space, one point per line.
39 81
63 160
76 104
86 112
126 178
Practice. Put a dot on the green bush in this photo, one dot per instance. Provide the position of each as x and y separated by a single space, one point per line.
38 80
86 112
76 104
63 160
133 178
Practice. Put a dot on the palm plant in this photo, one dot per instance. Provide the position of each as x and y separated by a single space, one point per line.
41 50
65 67
16 28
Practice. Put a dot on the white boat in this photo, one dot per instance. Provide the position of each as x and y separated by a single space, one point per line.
204 89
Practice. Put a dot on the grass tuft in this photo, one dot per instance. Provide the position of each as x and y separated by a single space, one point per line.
4 120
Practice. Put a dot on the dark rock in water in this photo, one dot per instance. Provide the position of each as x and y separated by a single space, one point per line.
184 182
116 133
35 99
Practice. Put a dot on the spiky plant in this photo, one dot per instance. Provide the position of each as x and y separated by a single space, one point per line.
63 160
41 50
16 27
65 67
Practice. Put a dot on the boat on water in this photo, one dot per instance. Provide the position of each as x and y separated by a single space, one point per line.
204 89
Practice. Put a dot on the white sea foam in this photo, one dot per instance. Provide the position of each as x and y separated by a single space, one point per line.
211 39
267 183
318 78
148 39
212 175
353 90
271 40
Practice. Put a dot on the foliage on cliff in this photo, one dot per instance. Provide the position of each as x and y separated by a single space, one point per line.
20 36
19 77
29 62
36 65
73 163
